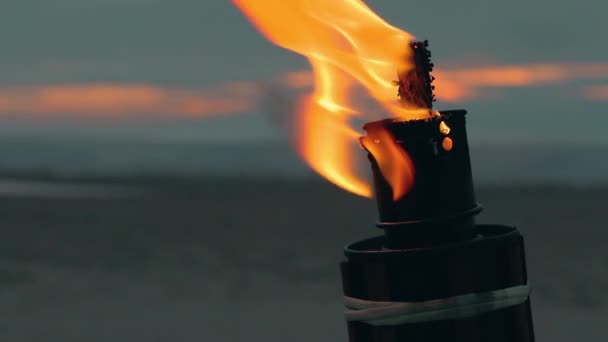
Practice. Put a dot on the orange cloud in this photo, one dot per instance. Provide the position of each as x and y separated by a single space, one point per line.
297 79
466 83
115 101
596 92
100 101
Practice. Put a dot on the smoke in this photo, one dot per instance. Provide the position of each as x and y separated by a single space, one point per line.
280 103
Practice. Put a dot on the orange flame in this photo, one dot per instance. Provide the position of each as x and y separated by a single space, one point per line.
347 44
394 163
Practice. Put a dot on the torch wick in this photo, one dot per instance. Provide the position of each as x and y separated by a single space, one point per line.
415 84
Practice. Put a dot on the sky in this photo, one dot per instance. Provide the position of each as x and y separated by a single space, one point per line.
171 56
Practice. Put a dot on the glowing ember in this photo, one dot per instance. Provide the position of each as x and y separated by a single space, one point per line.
447 144
347 44
444 128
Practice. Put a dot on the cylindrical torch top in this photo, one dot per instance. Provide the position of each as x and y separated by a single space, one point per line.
441 203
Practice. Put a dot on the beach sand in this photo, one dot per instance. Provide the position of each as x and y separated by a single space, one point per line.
255 260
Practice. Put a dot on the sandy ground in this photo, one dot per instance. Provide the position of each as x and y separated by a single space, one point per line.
254 261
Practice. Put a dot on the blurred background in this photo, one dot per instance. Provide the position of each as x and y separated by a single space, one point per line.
149 193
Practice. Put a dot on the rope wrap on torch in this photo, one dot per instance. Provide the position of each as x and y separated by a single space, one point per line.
468 305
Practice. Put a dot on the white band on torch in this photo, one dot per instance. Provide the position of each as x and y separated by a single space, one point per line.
396 313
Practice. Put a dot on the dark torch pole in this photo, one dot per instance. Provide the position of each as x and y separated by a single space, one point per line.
434 275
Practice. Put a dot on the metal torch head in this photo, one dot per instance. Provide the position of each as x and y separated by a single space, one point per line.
440 204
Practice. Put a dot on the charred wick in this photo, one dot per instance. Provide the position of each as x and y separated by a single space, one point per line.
415 85
432 248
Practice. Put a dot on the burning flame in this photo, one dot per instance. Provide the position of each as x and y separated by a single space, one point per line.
394 163
347 44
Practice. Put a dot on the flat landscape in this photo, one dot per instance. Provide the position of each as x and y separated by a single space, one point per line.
251 260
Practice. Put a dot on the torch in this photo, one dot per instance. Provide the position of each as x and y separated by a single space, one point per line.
434 274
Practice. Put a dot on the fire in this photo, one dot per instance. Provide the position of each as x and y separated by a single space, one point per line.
394 163
347 45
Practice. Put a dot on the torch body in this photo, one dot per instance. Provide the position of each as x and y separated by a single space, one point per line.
435 275
493 261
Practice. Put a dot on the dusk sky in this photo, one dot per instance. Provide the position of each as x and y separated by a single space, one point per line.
185 49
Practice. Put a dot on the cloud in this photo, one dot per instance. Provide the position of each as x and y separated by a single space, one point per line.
596 92
467 83
115 100
459 84
121 101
